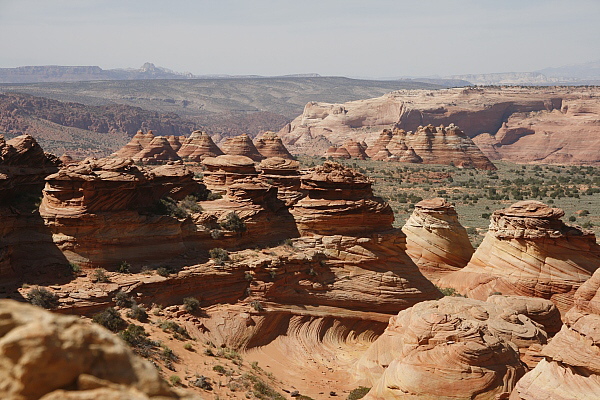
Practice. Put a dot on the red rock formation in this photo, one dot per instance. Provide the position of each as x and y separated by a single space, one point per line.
337 153
176 141
241 146
570 368
157 151
355 149
435 239
199 146
410 156
284 175
224 170
529 251
452 348
339 201
133 147
380 144
270 145
101 211
382 155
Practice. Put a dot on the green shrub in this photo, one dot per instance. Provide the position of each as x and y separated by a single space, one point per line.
234 223
191 304
136 336
175 380
99 275
213 196
449 292
257 305
75 268
219 369
110 319
138 312
124 268
358 393
188 347
173 327
163 271
42 297
122 299
219 255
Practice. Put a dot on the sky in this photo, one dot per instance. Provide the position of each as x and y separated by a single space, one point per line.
375 38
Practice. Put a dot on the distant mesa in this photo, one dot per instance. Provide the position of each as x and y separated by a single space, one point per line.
541 125
529 251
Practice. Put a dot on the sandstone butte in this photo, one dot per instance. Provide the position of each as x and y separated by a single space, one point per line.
570 367
241 146
546 125
55 357
529 251
270 145
435 239
453 348
198 146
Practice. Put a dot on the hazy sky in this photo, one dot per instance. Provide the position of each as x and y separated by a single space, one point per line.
375 38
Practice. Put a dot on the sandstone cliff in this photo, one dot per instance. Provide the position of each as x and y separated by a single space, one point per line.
552 124
529 251
570 368
435 240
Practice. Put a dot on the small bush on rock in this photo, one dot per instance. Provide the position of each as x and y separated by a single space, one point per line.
42 297
99 275
110 319
122 299
138 312
191 304
219 255
358 393
124 268
234 223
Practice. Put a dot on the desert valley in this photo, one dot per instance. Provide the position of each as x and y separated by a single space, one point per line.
316 200
423 244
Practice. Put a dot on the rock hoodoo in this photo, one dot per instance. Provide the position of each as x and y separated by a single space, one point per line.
283 174
198 146
529 251
62 357
570 368
453 348
339 201
435 240
159 150
241 146
270 145
337 153
224 170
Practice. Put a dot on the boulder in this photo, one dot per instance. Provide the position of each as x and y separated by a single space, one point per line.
50 356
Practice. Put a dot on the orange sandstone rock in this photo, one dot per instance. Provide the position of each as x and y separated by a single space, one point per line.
529 251
570 368
198 147
270 145
223 170
435 239
241 146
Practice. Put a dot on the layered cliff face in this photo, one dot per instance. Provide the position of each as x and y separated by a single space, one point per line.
198 146
570 368
339 200
241 146
552 125
100 212
435 239
529 251
453 348
270 145
62 357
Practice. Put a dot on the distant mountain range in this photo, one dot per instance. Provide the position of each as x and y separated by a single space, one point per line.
59 73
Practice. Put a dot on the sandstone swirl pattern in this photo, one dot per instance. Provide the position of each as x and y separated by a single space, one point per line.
571 365
453 348
435 240
529 251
